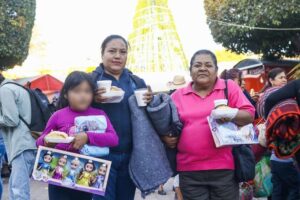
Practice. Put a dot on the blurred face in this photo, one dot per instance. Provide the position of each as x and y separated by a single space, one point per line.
203 70
62 162
102 170
115 56
89 167
279 80
47 158
80 97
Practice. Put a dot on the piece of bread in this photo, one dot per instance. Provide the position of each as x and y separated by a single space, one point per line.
115 89
57 135
224 107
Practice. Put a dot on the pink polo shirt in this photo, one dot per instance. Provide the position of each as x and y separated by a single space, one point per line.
196 147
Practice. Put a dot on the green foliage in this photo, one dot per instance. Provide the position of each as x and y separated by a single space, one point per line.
256 13
16 23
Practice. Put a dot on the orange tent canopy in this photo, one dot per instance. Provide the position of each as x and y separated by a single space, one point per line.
47 83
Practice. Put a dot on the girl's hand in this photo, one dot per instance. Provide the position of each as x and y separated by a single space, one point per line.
48 144
80 140
148 96
98 97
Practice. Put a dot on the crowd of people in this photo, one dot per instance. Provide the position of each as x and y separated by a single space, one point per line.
202 171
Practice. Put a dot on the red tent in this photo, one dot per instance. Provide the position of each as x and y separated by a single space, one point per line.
47 83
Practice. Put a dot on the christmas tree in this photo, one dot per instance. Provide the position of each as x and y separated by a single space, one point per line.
154 41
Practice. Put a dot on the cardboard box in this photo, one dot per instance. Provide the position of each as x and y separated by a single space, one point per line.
71 170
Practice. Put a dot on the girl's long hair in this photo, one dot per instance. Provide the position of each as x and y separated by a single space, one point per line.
73 80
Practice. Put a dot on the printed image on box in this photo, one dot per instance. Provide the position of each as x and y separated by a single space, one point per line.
95 123
71 170
229 134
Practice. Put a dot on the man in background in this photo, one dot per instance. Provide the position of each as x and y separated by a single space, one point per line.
19 144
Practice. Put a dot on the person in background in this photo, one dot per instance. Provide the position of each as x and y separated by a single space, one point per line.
206 172
236 76
114 50
19 144
276 78
290 90
177 83
176 187
285 185
2 152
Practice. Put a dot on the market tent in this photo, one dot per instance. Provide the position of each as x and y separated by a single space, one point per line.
255 71
47 83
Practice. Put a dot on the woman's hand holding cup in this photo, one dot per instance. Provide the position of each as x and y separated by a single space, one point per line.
148 96
99 98
143 96
103 87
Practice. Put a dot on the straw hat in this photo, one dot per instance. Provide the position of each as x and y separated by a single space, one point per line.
178 82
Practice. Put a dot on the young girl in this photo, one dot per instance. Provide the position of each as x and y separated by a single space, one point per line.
75 100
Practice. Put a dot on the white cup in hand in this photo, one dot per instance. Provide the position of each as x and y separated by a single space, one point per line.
139 95
105 84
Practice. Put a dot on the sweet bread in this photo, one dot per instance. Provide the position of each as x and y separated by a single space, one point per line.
57 135
115 89
223 107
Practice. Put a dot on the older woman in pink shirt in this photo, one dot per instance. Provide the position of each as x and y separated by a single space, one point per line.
206 172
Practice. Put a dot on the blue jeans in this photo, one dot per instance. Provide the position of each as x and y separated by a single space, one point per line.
120 185
19 181
2 153
285 181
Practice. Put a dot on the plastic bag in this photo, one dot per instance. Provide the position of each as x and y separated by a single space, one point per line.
262 182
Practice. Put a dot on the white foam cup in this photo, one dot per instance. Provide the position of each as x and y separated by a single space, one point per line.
104 84
139 95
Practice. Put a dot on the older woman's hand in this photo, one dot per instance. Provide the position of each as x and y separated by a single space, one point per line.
98 97
224 115
149 95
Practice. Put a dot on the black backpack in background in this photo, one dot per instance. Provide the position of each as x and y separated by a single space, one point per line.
41 110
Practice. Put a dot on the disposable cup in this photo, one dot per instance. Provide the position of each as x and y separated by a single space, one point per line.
139 95
104 84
